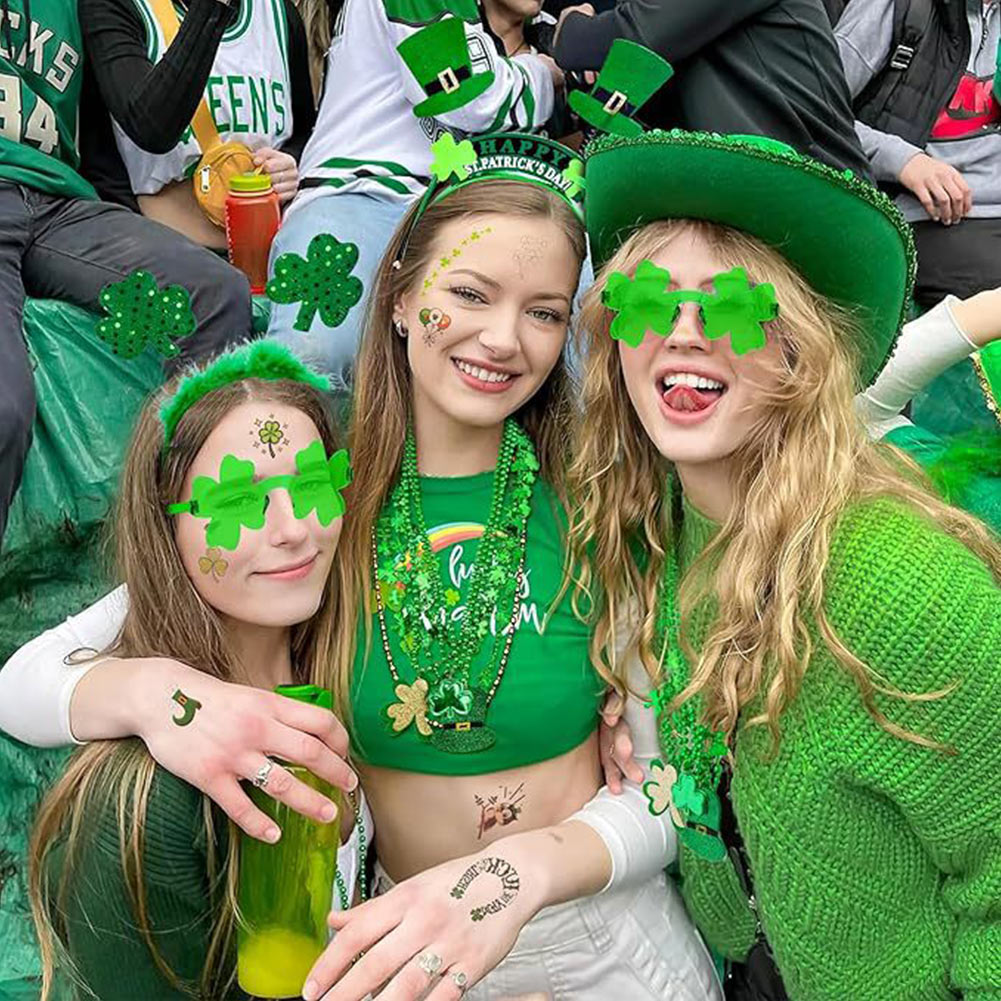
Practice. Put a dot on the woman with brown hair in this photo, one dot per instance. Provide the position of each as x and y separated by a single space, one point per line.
132 871
503 867
820 632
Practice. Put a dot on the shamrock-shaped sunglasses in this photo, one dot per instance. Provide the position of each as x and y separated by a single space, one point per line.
644 303
235 501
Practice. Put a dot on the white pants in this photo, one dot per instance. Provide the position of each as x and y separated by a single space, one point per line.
632 944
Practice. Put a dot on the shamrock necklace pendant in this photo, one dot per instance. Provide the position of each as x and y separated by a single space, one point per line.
452 703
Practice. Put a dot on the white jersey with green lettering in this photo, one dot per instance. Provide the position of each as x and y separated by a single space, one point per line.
248 93
40 75
367 137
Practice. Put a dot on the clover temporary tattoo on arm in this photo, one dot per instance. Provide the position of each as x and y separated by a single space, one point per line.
189 707
140 314
321 281
644 303
501 809
504 871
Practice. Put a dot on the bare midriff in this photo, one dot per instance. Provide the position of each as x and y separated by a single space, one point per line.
422 820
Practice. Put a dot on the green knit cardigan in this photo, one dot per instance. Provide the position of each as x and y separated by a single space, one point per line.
876 862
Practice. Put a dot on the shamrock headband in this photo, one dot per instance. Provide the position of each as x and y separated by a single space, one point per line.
644 303
500 156
238 500
257 360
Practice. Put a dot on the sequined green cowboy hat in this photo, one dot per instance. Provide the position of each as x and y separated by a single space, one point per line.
846 238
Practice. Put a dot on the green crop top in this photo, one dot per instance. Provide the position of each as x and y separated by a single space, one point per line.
549 697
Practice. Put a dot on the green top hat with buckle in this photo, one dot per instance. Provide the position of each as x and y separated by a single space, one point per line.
630 76
438 57
843 235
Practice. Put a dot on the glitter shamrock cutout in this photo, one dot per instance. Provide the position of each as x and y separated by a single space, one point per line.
452 158
322 280
270 435
140 314
574 174
412 708
739 310
639 303
658 790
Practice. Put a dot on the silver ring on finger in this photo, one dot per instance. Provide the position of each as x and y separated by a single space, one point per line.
429 962
460 980
260 779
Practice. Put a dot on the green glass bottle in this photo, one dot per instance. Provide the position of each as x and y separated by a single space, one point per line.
286 889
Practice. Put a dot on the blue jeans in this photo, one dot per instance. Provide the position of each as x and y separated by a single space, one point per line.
356 218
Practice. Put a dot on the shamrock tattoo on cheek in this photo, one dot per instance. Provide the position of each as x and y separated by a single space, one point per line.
643 303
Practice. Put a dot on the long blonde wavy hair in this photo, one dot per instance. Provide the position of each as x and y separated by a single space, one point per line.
118 774
806 459
383 393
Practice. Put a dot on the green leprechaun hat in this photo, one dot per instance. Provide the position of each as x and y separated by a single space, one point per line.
846 238
630 76
438 57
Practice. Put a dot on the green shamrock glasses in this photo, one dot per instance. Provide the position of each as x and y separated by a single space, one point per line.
236 501
643 303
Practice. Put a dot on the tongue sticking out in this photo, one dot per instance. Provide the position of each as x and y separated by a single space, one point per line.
689 399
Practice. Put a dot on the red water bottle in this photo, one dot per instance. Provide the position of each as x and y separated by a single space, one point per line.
252 218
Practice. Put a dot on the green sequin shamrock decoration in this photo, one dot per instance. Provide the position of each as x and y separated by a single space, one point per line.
452 158
574 173
140 314
639 302
739 310
320 281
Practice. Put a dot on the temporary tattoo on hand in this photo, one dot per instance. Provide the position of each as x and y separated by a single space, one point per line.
213 563
530 251
501 809
445 260
188 706
270 434
434 321
504 871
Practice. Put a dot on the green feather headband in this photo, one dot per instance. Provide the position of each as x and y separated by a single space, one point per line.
257 360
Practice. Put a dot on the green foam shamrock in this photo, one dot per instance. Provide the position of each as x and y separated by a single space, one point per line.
574 173
639 302
739 310
450 158
141 313
320 281
687 796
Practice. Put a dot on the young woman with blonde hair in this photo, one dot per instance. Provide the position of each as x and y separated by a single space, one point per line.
502 865
828 712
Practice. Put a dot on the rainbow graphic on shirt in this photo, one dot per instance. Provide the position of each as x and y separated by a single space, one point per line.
452 533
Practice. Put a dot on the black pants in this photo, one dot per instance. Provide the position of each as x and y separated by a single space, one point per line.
959 260
69 249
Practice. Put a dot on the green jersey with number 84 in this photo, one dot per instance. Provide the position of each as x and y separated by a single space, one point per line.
40 77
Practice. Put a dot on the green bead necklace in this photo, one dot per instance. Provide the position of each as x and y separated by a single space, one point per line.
694 751
446 702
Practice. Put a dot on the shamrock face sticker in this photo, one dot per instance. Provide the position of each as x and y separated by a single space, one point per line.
235 501
644 303
433 321
141 314
321 281
269 435
213 563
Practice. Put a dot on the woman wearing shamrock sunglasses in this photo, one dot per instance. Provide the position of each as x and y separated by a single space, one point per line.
473 706
131 873
831 747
